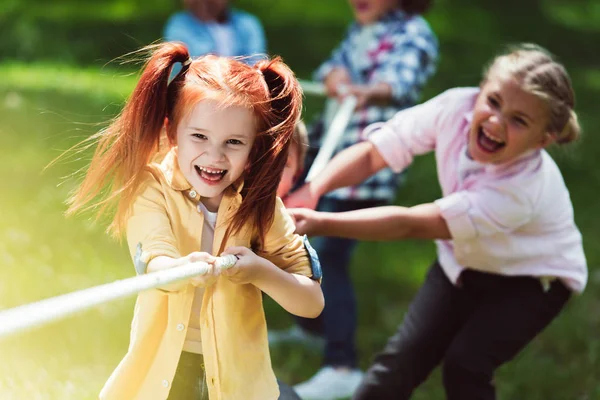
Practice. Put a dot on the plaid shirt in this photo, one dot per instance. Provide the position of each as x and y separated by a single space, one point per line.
399 50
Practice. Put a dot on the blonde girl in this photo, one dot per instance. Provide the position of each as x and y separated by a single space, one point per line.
509 253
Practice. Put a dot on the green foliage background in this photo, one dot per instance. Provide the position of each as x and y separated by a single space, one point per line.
59 83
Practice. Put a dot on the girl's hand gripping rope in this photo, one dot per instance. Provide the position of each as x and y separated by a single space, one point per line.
247 268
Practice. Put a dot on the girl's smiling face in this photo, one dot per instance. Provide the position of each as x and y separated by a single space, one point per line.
214 144
507 122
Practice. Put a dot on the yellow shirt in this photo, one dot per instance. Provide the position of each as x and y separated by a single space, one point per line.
166 221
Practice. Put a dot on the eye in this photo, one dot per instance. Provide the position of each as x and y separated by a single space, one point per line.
520 121
234 142
199 136
493 102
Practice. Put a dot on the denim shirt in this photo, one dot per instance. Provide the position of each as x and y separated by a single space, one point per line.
248 34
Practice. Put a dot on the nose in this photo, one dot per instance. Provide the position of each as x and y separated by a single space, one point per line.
496 121
216 154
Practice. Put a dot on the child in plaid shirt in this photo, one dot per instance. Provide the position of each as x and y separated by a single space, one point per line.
386 58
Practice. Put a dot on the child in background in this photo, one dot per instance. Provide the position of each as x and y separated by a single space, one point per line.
295 161
229 127
509 253
386 58
213 27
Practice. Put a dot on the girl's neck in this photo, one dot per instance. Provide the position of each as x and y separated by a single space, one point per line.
212 203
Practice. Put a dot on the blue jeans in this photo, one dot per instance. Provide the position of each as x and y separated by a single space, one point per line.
337 322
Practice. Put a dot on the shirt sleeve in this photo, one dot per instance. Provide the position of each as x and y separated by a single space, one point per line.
486 211
409 64
283 247
410 132
149 232
337 59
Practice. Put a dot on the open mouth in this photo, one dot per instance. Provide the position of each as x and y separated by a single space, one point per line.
210 175
489 142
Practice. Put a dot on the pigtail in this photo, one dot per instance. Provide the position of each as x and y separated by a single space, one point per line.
571 131
270 151
128 144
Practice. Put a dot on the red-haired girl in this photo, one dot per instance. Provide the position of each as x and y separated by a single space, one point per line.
228 127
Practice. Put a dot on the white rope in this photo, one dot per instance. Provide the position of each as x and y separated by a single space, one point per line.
312 88
33 315
332 136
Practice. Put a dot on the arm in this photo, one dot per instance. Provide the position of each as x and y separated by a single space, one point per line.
335 61
282 269
151 239
408 66
464 215
410 132
424 221
350 167
296 293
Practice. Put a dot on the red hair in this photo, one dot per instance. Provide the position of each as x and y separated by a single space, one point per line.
131 141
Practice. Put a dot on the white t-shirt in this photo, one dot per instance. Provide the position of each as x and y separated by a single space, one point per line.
193 339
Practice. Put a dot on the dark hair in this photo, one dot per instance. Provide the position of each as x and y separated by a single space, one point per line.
413 7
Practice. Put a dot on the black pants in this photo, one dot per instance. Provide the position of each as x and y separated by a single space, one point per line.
471 329
190 381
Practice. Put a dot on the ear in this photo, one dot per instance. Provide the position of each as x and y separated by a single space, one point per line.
547 139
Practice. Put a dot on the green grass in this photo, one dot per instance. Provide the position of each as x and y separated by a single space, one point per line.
47 106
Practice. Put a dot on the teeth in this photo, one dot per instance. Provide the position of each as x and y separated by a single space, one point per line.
211 170
492 137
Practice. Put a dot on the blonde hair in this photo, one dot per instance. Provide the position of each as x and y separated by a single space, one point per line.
541 75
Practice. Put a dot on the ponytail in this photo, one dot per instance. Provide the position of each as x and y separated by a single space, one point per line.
130 141
270 151
571 131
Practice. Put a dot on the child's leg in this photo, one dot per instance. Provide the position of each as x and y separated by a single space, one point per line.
339 317
337 322
189 381
435 315
512 311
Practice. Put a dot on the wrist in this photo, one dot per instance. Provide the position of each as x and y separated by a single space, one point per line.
317 189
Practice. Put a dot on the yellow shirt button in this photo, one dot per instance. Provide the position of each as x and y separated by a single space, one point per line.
165 383
193 194
180 327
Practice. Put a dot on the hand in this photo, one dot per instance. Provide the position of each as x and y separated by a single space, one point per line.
248 267
337 78
305 197
213 273
362 93
307 221
375 94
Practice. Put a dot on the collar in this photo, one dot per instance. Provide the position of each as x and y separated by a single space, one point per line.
177 181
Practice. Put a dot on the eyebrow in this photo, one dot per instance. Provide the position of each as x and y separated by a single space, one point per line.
230 135
524 115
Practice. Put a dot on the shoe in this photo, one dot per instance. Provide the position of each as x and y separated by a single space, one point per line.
296 335
330 384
